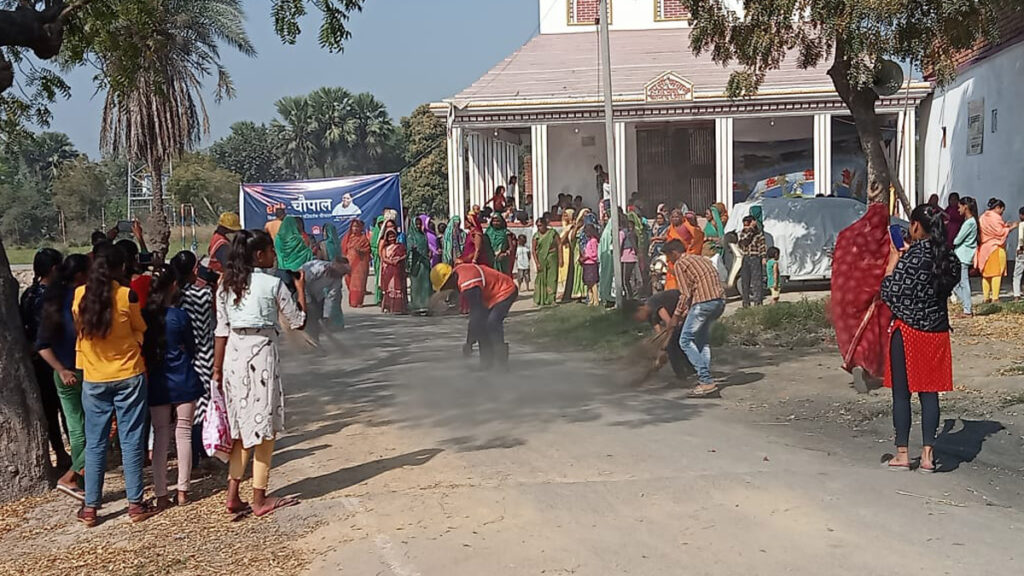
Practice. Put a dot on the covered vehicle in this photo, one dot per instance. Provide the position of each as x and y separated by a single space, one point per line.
803 229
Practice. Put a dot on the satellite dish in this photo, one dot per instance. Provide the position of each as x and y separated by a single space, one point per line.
888 78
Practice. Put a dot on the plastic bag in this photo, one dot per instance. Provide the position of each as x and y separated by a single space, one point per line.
216 430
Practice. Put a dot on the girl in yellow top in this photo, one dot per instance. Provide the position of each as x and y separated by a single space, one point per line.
109 352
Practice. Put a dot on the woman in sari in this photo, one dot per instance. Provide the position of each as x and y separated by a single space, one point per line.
991 255
497 235
330 246
696 246
606 264
356 247
547 258
392 277
292 250
579 239
419 266
375 240
714 230
477 249
432 241
453 241
565 266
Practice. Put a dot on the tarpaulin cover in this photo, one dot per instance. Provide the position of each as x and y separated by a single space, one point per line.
317 202
803 229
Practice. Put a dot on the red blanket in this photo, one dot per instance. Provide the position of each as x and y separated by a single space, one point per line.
860 318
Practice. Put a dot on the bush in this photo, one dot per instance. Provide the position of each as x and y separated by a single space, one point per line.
800 324
578 327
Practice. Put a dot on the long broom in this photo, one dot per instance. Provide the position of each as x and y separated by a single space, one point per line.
652 350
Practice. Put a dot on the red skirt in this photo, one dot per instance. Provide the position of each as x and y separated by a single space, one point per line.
929 359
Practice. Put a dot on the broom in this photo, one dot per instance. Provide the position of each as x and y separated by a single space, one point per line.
652 351
443 303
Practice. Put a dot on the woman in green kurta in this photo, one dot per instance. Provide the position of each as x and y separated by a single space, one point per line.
419 267
579 289
546 256
497 233
606 263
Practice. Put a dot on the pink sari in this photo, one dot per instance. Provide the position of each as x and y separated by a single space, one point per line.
392 279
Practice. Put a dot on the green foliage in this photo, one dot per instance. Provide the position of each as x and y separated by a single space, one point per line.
197 180
250 151
425 180
609 333
802 324
81 193
333 28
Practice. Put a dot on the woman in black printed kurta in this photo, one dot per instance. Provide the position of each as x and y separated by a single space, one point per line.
917 284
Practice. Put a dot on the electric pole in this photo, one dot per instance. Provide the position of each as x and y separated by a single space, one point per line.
609 134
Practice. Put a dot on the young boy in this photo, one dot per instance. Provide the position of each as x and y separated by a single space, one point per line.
522 263
772 273
490 295
319 290
752 246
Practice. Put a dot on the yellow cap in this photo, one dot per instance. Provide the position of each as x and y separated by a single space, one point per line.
440 275
230 220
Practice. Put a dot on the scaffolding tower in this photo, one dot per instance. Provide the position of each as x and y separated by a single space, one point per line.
140 190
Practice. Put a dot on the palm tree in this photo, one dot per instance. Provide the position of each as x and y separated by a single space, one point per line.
48 153
371 131
331 109
295 133
154 56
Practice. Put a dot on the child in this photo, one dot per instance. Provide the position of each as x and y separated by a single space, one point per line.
249 302
591 267
174 385
522 263
772 273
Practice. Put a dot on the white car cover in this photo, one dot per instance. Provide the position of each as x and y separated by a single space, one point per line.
803 229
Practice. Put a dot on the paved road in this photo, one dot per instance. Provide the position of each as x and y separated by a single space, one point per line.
414 464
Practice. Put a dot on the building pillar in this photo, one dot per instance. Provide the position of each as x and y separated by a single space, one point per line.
823 154
456 172
620 164
906 146
724 161
539 137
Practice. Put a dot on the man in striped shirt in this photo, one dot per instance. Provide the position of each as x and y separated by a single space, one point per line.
701 302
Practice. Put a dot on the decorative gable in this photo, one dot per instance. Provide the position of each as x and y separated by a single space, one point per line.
669 87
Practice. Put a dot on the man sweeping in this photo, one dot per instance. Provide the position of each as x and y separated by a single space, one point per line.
490 295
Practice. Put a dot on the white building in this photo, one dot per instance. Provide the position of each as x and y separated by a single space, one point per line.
973 130
679 138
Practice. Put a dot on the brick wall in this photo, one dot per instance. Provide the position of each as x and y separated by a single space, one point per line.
671 10
583 11
526 184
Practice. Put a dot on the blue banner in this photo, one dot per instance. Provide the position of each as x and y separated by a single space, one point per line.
317 202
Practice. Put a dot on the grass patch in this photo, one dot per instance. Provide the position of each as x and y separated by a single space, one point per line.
578 327
1015 399
802 324
18 255
993 308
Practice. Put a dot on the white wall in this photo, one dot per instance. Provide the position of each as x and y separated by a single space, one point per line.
571 164
626 15
999 170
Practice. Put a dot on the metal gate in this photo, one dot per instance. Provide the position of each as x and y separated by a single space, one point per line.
676 165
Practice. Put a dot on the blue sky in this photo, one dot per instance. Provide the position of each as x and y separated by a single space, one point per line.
406 52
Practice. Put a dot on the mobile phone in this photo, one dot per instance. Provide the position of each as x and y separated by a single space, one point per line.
207 275
896 236
145 258
124 226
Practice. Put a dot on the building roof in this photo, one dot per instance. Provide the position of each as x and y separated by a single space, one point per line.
1010 29
565 67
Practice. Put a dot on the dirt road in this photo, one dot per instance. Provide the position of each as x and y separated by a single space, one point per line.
412 464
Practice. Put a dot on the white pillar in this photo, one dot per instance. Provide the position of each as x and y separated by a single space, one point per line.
724 161
539 135
823 154
906 139
456 172
620 164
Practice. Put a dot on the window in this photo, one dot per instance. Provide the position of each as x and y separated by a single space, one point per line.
584 12
670 10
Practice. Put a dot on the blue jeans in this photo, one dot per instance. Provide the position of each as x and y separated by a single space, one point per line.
963 289
101 401
696 335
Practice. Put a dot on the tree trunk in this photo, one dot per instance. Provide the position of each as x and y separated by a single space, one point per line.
159 228
23 448
861 103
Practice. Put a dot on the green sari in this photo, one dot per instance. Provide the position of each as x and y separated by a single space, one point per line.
453 241
291 249
715 230
419 269
606 262
546 284
332 246
378 227
499 243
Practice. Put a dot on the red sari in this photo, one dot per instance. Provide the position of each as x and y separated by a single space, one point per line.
858 314
392 279
356 247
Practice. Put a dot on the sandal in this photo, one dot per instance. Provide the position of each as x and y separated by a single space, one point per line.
284 502
73 491
87 516
700 392
141 511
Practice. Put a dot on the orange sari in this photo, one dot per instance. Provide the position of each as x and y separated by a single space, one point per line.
356 247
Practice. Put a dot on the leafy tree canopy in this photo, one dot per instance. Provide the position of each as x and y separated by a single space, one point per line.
197 180
425 181
251 152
